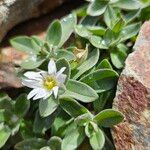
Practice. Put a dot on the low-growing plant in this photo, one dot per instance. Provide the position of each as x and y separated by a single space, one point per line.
68 90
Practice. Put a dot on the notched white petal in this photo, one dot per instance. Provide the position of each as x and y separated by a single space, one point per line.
55 90
48 95
32 93
41 94
33 75
52 67
61 79
60 71
31 83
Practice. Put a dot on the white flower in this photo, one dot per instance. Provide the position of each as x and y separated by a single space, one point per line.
44 84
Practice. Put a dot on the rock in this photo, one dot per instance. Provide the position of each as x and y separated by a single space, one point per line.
7 76
13 12
9 57
133 97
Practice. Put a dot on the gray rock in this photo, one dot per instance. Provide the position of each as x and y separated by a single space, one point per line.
13 12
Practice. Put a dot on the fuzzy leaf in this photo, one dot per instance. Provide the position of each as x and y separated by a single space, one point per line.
104 64
67 24
22 105
97 140
33 143
97 7
130 31
72 107
55 143
47 106
101 80
25 44
127 4
88 64
54 33
73 139
108 118
80 91
4 135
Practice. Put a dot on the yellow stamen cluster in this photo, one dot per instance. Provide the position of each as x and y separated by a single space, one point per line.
50 82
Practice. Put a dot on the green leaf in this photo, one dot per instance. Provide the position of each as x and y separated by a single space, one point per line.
22 105
118 26
97 30
69 56
97 42
80 91
82 31
67 24
64 63
97 7
47 106
2 115
88 64
97 140
73 139
82 120
54 33
110 17
55 143
111 38
104 64
41 125
81 11
25 44
4 135
130 31
72 107
127 4
132 15
118 58
32 62
104 98
89 128
5 101
101 80
31 144
89 21
108 118
37 40
45 148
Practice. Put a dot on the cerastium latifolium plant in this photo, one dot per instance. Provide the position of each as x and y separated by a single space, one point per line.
71 88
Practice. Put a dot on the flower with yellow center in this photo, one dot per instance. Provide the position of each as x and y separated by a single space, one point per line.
44 84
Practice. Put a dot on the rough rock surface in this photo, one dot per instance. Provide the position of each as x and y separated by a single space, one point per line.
13 12
133 97
7 76
10 57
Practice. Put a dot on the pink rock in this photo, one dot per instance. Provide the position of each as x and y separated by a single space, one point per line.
133 97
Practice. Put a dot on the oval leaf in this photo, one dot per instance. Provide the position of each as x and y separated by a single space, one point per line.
22 105
97 7
47 106
33 143
54 33
108 118
72 107
88 64
97 140
67 24
73 139
25 44
80 91
101 80
4 135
